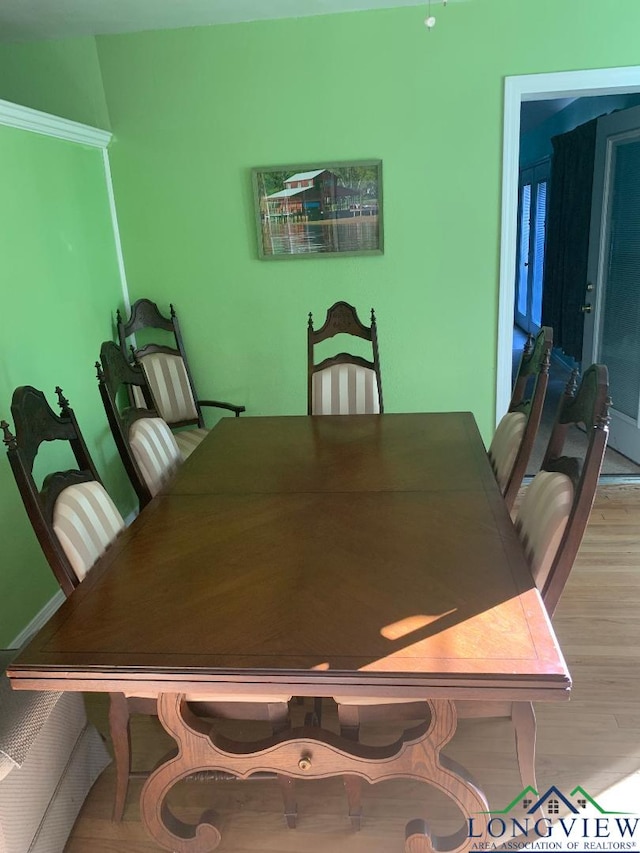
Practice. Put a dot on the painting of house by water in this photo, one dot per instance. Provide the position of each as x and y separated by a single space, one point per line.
319 210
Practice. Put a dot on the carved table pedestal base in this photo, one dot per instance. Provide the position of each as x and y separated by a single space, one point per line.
309 753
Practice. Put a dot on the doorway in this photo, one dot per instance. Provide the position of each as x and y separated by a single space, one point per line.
519 90
534 87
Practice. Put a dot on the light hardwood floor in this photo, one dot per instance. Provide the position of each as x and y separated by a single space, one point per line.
593 741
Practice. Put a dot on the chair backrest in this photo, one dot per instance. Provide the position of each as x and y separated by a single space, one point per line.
146 445
555 509
515 435
343 384
166 367
72 515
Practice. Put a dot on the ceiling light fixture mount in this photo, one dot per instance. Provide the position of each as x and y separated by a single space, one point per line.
430 20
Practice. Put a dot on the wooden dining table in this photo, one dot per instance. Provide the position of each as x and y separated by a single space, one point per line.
351 556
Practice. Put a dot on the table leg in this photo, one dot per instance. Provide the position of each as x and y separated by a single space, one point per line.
310 753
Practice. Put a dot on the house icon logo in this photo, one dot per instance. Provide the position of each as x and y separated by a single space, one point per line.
552 803
554 820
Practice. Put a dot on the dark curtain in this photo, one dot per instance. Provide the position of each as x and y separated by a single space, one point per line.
568 221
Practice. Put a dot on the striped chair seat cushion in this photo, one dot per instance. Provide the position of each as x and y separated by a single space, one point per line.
86 522
155 450
345 389
169 383
505 445
188 439
542 519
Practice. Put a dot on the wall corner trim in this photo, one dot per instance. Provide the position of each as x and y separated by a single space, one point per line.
25 118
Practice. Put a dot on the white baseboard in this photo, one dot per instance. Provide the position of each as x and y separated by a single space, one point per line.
39 620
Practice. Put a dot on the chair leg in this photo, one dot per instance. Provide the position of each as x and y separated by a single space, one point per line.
349 718
278 715
287 789
121 741
524 722
279 719
312 718
353 789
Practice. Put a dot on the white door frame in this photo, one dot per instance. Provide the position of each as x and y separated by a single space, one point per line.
535 87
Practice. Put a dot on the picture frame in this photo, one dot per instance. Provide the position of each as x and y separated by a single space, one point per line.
319 209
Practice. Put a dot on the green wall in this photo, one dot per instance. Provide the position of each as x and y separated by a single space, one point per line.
60 77
60 288
194 109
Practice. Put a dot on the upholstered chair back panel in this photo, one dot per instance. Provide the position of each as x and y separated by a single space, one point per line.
542 519
86 522
505 445
345 389
169 383
155 450
138 397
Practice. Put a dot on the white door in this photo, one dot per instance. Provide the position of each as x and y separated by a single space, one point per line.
612 298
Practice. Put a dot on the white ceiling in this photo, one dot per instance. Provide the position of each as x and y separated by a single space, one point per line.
30 20
26 20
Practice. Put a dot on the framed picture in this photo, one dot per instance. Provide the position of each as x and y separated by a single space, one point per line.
319 209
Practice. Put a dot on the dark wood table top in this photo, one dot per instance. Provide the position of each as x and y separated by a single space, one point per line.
329 556
334 453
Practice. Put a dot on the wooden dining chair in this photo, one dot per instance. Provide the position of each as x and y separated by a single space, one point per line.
343 384
550 521
72 515
76 522
69 503
168 373
513 440
554 512
146 445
